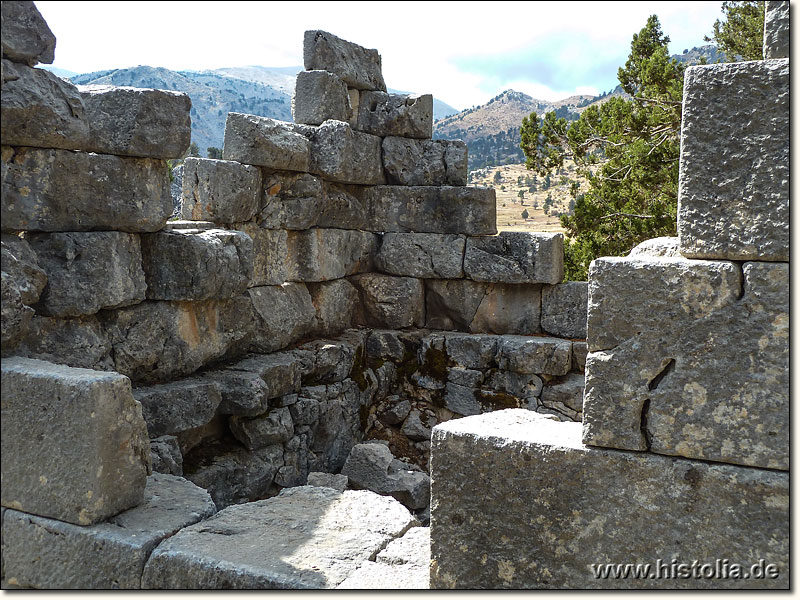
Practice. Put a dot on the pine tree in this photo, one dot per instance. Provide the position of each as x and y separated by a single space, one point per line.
740 35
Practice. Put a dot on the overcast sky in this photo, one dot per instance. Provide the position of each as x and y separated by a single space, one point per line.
463 52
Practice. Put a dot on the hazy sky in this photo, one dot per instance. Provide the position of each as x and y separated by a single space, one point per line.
462 52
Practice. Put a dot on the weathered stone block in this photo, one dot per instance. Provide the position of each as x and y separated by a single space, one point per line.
165 455
425 162
279 370
666 247
197 265
15 316
49 554
776 30
26 37
329 480
733 194
381 576
579 352
221 191
389 302
342 155
303 527
59 190
335 303
242 392
170 408
283 314
326 254
714 385
540 355
270 254
564 309
516 257
156 341
319 96
357 66
78 342
430 209
512 485
329 361
19 262
273 427
405 116
97 455
265 142
424 255
88 271
565 395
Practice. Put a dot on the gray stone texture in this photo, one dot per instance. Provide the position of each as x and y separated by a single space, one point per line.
96 457
19 262
280 371
515 505
389 302
776 30
579 352
265 142
319 96
423 255
425 162
733 194
381 576
326 254
197 265
221 191
15 316
712 385
335 303
358 67
564 308
430 209
565 395
270 254
242 392
399 115
49 554
59 190
540 355
26 37
88 271
283 315
165 455
273 427
77 342
668 247
170 408
373 467
330 480
516 257
342 155
157 341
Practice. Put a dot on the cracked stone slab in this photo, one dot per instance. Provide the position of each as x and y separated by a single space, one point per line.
304 538
515 257
424 162
319 96
405 116
318 255
342 155
711 385
564 308
733 193
512 485
265 142
358 67
26 37
423 255
49 554
220 191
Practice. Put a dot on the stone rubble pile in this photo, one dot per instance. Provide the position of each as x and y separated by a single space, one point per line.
682 457
333 281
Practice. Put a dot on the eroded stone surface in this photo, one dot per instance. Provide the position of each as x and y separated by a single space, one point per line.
373 467
516 257
335 303
424 255
342 155
283 314
776 30
424 162
26 36
221 191
389 302
173 407
564 309
357 66
327 254
266 142
20 264
270 254
385 114
319 96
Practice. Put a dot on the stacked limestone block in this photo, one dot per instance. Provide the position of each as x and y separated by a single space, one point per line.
686 409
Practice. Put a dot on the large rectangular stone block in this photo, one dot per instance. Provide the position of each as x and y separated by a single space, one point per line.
425 162
326 254
186 264
389 302
357 66
48 554
59 190
424 255
707 377
515 257
319 96
221 191
171 408
74 443
76 342
270 254
564 308
405 116
88 271
26 36
283 314
733 194
429 209
265 142
519 502
335 302
345 156
776 29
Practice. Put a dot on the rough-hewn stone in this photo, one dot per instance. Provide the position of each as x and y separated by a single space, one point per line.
221 191
389 302
15 317
564 309
197 265
430 209
19 262
242 392
540 355
403 564
565 394
372 467
424 255
330 480
88 271
319 96
305 538
265 142
283 314
733 194
424 162
357 66
405 116
326 254
26 37
667 247
74 444
712 385
59 190
279 370
579 352
342 155
79 342
165 455
516 257
273 427
270 254
169 408
495 472
49 554
776 30
335 303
